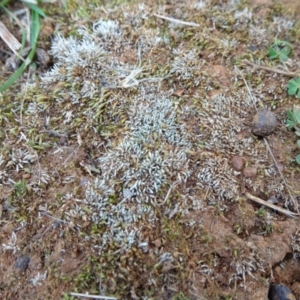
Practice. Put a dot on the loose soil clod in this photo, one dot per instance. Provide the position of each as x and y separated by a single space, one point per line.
264 123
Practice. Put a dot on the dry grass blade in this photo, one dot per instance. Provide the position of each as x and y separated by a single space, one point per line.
93 296
9 39
270 205
177 20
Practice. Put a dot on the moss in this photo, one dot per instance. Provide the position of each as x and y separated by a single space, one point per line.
104 120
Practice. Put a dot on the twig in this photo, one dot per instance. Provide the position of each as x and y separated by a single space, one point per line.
177 20
295 203
131 80
73 152
92 296
168 193
45 214
278 71
270 205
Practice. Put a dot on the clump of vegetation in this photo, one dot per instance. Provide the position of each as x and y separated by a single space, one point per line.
20 188
293 122
34 28
280 50
122 150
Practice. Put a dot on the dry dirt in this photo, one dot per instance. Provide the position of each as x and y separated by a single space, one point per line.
181 227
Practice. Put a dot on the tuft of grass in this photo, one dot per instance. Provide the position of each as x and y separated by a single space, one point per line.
20 188
35 14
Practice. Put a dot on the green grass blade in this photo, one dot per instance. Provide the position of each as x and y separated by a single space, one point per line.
35 8
14 77
35 28
4 2
34 33
65 5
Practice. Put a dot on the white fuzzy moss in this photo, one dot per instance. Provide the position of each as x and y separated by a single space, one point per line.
150 157
145 171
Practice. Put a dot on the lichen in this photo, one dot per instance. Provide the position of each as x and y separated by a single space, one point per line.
155 121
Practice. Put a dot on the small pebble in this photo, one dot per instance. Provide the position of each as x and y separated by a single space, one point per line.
157 243
250 172
237 163
264 123
42 57
22 262
280 292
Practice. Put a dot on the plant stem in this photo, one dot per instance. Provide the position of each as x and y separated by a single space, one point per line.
278 71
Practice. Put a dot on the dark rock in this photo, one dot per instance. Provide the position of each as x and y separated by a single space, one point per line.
42 57
22 262
264 123
237 163
280 292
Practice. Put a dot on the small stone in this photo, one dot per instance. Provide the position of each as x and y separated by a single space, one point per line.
157 243
237 163
250 172
280 292
22 262
42 57
264 123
